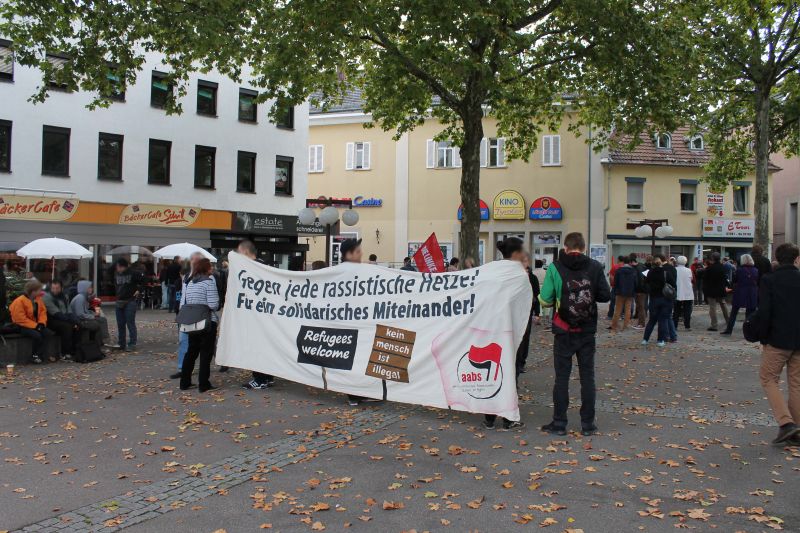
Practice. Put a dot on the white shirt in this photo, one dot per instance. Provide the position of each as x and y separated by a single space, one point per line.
685 291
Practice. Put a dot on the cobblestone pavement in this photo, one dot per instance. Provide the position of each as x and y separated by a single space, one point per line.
114 445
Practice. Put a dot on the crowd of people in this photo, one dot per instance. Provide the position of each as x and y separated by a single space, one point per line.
655 294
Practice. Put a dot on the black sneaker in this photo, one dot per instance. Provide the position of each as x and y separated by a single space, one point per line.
711 329
255 385
224 368
726 333
36 359
589 431
487 425
794 441
509 426
554 430
176 375
786 432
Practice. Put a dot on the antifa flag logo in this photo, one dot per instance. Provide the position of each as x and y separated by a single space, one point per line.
480 371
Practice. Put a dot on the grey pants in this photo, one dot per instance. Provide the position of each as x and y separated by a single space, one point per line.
712 309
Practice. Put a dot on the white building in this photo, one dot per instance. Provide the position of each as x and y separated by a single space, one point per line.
130 174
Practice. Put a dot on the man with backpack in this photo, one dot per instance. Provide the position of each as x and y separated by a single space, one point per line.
641 292
574 285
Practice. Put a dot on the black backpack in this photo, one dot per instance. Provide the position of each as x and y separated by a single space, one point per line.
577 306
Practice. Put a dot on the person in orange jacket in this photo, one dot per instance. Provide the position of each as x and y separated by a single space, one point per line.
30 314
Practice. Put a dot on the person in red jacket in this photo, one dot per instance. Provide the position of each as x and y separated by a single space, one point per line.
30 314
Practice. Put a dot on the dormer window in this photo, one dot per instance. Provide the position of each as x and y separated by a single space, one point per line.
663 141
696 143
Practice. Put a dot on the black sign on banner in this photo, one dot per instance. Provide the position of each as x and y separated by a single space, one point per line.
327 347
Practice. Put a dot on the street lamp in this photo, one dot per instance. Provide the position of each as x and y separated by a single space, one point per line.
651 228
329 216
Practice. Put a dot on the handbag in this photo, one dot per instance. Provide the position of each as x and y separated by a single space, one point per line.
193 318
668 291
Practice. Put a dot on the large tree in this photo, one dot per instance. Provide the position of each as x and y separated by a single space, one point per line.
611 61
748 95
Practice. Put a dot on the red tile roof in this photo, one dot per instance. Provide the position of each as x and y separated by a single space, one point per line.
646 153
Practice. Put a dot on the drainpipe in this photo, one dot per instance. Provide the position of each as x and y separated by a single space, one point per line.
589 179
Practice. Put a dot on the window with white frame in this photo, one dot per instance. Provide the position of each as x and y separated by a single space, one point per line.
741 197
551 150
635 194
315 158
493 152
696 143
442 154
663 141
358 156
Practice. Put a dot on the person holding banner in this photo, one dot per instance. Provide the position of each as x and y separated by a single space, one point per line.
260 381
574 285
512 250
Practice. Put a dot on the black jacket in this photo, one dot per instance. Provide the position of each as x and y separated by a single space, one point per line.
571 266
657 277
641 281
763 265
779 308
127 282
715 281
625 281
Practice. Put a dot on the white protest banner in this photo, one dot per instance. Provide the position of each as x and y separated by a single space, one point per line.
445 340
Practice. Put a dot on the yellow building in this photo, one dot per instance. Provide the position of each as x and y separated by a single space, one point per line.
406 189
662 178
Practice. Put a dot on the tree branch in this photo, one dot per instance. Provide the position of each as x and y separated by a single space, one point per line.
536 15
530 68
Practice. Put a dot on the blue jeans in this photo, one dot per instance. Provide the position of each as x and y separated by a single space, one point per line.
673 330
126 317
660 313
164 296
183 345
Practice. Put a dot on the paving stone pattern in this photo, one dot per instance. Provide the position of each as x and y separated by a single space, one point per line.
113 514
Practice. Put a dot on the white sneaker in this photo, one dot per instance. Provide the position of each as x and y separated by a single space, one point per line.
644 343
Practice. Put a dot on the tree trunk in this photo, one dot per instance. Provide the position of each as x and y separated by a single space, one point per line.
470 185
761 210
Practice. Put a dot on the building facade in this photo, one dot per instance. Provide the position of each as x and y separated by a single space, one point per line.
408 188
786 188
132 175
662 178
404 189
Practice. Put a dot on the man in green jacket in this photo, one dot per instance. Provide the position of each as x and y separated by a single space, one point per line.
573 285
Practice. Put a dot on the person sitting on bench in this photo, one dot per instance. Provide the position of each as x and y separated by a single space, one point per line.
30 314
60 320
91 320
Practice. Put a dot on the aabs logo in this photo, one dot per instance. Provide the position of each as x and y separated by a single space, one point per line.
480 373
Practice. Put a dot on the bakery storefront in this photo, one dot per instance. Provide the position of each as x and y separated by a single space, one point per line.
539 224
109 231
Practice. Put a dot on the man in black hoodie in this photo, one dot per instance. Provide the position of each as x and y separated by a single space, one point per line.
778 312
574 285
128 284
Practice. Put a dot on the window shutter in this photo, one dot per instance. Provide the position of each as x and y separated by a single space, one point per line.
320 158
546 155
312 158
456 156
348 163
501 152
431 156
484 151
366 163
556 150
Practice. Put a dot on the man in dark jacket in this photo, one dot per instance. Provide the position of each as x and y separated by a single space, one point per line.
778 311
128 282
715 281
59 319
624 293
575 284
641 292
174 282
763 264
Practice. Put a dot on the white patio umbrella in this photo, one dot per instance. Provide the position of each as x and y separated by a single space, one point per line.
182 249
53 248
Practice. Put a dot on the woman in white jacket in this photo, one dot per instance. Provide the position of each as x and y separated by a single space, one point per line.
685 295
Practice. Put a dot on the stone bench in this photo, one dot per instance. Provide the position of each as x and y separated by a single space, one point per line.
18 350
